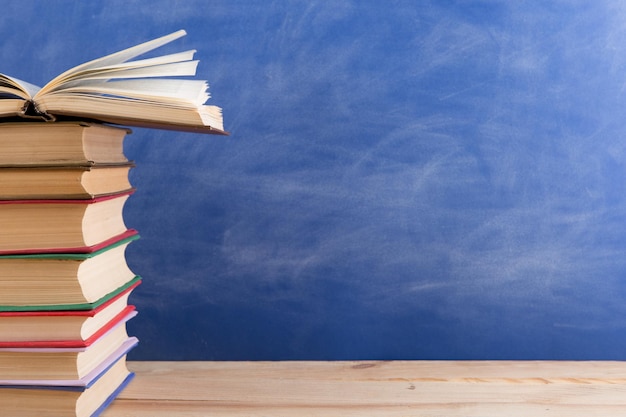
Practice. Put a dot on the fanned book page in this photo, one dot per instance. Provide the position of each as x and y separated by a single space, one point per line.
115 89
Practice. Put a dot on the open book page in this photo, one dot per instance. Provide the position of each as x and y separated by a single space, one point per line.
123 111
11 107
177 69
141 63
177 92
147 92
180 64
115 58
17 87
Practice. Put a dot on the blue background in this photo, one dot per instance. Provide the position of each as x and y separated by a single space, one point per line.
403 180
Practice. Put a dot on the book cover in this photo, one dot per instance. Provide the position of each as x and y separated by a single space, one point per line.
75 384
114 395
63 281
61 225
85 249
81 401
122 316
80 306
106 301
85 374
64 182
35 143
84 253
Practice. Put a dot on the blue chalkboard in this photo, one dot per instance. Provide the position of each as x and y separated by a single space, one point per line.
403 180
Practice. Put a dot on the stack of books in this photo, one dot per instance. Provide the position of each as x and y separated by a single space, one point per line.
64 279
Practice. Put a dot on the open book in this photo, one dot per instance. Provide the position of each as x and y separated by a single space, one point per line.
115 89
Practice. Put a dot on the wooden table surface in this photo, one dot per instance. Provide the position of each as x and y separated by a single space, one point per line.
391 389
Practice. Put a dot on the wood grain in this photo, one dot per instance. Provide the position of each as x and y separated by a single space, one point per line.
370 388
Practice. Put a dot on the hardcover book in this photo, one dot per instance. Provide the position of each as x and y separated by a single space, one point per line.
69 225
64 182
64 328
65 281
62 365
61 144
117 89
87 400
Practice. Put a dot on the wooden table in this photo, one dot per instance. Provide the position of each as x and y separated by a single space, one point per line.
391 389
